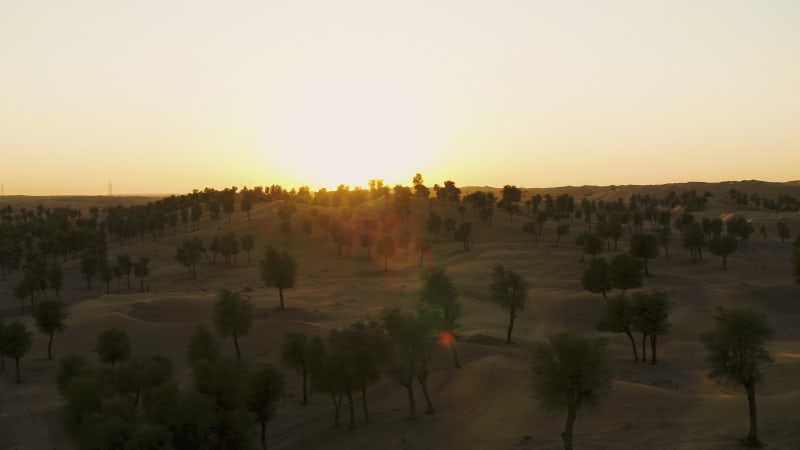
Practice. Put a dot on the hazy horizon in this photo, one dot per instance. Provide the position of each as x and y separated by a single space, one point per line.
164 97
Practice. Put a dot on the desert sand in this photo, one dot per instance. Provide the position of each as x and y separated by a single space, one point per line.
484 405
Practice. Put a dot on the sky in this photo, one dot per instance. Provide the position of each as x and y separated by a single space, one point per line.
162 96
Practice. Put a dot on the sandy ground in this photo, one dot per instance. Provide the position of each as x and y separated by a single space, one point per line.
484 405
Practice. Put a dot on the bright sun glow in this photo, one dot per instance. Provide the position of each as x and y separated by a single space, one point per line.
350 127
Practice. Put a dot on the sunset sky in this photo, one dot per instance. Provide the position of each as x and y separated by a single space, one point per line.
161 96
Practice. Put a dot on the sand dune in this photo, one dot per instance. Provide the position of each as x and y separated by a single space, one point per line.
486 404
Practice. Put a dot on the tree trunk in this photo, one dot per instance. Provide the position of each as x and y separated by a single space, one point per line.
352 409
263 434
512 316
567 434
280 293
305 386
364 402
385 263
412 404
236 344
455 355
752 437
16 363
644 348
646 271
423 383
50 347
336 405
633 344
653 358
420 258
724 262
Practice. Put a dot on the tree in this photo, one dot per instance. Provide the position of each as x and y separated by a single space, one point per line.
434 224
125 265
50 316
796 260
723 246
406 345
89 263
591 242
55 277
644 246
385 248
113 345
693 238
421 246
618 317
141 268
736 354
360 343
278 270
439 291
650 318
248 243
561 231
783 232
463 234
597 277
295 354
572 373
203 346
626 272
509 290
189 254
233 316
16 341
267 386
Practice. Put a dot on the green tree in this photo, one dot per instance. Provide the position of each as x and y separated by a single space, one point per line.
618 317
736 354
89 262
463 234
267 386
125 266
278 270
644 246
434 224
591 243
783 232
421 246
50 317
693 238
141 268
509 290
796 260
723 246
113 345
626 272
203 346
385 248
55 277
233 316
295 355
561 231
571 373
597 277
650 318
248 243
189 254
439 291
16 341
405 349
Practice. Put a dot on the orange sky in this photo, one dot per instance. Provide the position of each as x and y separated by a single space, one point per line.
166 96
